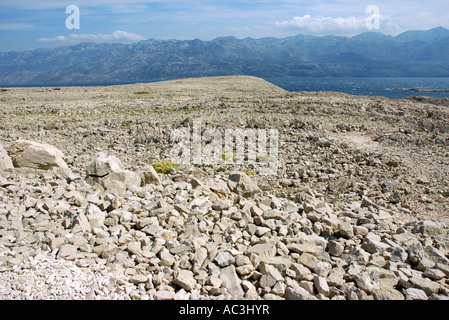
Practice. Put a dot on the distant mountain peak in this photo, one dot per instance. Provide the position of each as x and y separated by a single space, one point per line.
228 38
371 36
424 35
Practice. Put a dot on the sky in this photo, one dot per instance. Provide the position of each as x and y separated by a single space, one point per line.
32 24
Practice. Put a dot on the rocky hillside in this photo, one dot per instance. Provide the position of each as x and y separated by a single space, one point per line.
356 210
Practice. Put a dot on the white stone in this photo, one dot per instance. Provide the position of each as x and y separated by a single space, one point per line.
95 216
164 295
336 277
415 294
199 258
321 285
150 176
185 280
166 257
242 184
224 259
425 284
102 164
346 230
66 250
5 160
231 281
138 278
297 293
33 154
121 179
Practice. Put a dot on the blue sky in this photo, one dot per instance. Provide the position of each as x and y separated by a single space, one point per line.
31 24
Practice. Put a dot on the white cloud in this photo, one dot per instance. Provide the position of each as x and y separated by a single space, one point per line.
320 25
116 36
391 24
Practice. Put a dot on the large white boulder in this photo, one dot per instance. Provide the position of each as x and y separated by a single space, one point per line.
38 155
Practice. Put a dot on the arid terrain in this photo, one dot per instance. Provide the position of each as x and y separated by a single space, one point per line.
357 209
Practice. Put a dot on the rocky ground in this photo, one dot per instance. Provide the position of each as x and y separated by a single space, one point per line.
358 207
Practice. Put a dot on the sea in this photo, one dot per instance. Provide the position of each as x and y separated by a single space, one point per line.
382 87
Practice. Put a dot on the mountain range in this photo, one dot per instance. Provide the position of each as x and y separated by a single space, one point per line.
370 54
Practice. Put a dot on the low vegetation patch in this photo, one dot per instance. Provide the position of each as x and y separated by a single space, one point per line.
227 156
265 158
164 166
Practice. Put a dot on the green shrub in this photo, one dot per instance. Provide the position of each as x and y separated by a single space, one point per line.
265 158
227 156
164 166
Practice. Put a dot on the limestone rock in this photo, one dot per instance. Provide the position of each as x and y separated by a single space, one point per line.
270 276
5 160
199 258
242 184
387 294
150 176
321 268
102 164
335 248
120 179
415 294
217 185
166 257
321 285
83 222
33 154
260 251
164 295
231 281
335 277
185 280
346 230
425 284
435 255
295 292
275 214
95 216
224 259
373 246
138 278
427 228
66 250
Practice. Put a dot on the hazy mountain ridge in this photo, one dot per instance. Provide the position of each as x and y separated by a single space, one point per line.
410 54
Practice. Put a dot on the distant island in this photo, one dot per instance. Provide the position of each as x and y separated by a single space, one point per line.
370 54
421 90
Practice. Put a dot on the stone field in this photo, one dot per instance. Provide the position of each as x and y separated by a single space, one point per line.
357 209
